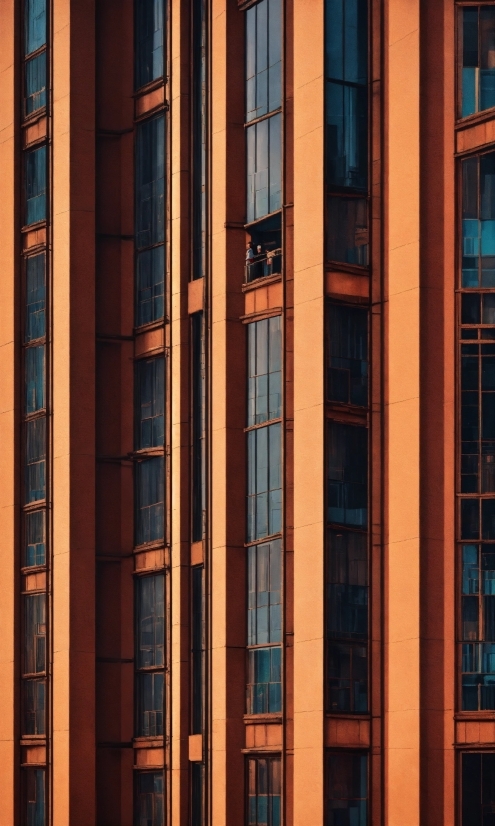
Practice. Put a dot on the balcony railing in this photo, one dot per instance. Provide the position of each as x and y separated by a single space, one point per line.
263 265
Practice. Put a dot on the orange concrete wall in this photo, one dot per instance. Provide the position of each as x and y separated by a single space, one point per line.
309 412
73 413
402 588
9 381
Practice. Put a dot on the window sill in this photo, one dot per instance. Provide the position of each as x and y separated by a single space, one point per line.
263 718
32 227
346 715
477 117
264 281
148 742
33 117
341 266
146 328
264 539
471 716
150 87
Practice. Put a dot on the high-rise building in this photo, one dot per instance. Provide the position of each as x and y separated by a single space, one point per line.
247 413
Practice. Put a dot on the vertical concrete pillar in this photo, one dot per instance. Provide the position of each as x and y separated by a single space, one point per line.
73 413
9 379
402 589
309 412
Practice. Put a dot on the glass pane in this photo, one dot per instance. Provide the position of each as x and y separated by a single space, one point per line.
264 690
34 800
199 427
347 230
347 585
149 688
35 379
149 500
347 355
149 799
35 84
35 297
150 619
264 370
346 781
150 278
33 719
265 598
35 25
35 547
35 185
264 481
35 460
149 41
150 378
34 634
150 182
478 788
198 647
347 474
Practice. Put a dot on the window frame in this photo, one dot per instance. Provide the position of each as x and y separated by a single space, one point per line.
351 752
140 670
270 757
480 114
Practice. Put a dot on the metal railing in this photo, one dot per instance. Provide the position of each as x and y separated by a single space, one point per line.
263 265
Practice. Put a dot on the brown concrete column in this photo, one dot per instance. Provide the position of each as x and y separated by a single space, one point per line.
9 381
73 414
402 551
309 412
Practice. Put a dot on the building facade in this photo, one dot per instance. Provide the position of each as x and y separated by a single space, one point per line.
247 412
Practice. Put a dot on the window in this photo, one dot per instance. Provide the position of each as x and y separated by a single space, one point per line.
264 167
347 355
476 56
264 689
35 171
34 707
478 626
198 428
347 622
264 482
264 370
35 298
35 25
346 782
150 810
35 460
265 593
199 92
478 222
34 634
263 58
35 378
35 538
34 805
150 389
150 219
346 130
264 791
478 788
347 474
197 793
35 84
149 500
149 41
150 655
198 646
35 67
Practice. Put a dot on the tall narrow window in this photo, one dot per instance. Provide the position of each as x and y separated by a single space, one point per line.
478 788
197 793
35 185
35 54
476 59
478 222
199 137
198 648
346 788
149 799
264 791
347 479
264 627
264 482
150 400
35 471
34 665
35 378
150 654
149 41
149 500
346 131
34 813
150 220
35 538
198 428
35 298
347 354
264 370
264 138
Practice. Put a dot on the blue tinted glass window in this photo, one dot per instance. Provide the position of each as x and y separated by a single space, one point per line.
264 690
347 354
265 593
149 500
150 182
263 58
264 370
264 482
477 53
35 538
347 475
35 185
34 659
34 25
34 780
149 799
35 378
35 297
264 791
150 281
478 627
264 167
149 41
35 83
35 482
150 400
150 619
346 788
478 222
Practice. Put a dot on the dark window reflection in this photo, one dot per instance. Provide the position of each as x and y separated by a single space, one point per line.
347 354
476 48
